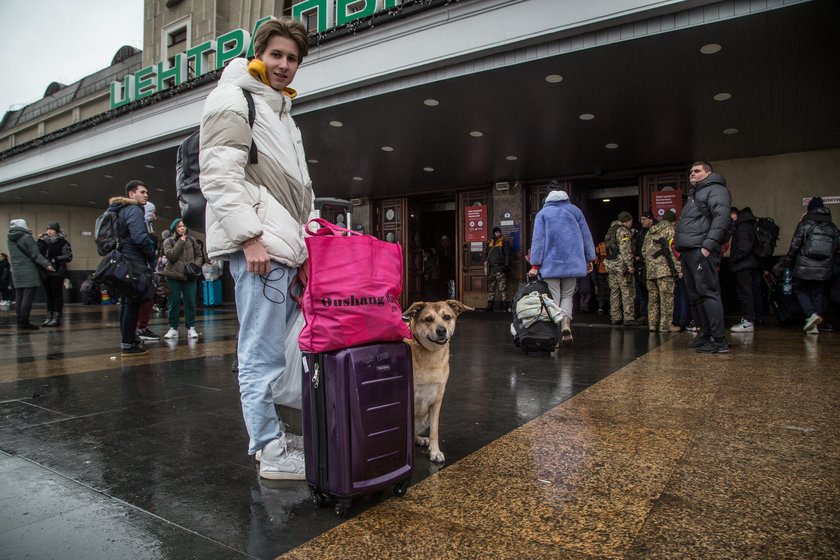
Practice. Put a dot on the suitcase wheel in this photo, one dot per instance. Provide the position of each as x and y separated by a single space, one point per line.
399 489
341 507
317 498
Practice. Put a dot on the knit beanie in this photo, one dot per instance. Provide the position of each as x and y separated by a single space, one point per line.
54 226
669 216
174 224
625 217
814 203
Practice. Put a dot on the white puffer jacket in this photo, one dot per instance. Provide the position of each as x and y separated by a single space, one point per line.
239 205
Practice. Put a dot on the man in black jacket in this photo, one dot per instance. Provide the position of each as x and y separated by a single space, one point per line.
700 235
811 255
744 267
135 244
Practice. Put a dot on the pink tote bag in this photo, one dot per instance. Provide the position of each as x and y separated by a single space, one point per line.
353 293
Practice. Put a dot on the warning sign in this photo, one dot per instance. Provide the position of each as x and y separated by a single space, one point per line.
664 201
475 224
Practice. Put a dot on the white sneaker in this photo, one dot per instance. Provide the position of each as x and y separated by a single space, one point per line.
279 461
743 326
812 322
171 333
192 333
293 441
813 330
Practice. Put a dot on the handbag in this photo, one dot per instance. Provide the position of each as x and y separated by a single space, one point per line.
192 271
353 290
124 276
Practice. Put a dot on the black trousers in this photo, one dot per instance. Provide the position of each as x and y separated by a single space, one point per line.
129 313
703 285
25 297
54 289
810 294
744 285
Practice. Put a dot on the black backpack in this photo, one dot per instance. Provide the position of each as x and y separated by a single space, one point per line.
187 171
820 242
106 232
766 236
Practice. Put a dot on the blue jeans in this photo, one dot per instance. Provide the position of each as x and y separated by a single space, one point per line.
264 309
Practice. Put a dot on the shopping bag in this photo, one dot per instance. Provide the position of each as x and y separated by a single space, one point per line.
286 388
353 292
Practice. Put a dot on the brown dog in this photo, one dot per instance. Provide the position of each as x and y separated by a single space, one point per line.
432 325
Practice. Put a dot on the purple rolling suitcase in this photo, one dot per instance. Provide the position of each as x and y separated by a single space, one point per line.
358 422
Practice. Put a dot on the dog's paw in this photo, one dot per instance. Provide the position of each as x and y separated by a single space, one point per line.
421 441
436 456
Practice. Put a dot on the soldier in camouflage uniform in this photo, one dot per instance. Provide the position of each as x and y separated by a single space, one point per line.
497 262
619 244
661 277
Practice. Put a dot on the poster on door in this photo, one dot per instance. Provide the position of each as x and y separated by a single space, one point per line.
475 224
666 200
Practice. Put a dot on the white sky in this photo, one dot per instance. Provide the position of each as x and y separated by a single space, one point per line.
45 41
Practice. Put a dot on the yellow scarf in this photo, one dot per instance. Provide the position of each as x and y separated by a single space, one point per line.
257 69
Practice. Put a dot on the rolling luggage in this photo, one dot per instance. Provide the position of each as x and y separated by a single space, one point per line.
358 422
540 336
212 292
785 306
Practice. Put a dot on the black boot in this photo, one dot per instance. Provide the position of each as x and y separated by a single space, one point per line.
489 305
47 322
56 320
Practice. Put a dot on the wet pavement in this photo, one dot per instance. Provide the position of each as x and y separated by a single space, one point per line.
102 457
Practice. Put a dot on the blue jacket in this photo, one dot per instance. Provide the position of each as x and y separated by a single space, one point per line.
135 241
562 243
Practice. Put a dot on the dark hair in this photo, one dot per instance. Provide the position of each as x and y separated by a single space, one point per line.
132 186
704 164
284 27
497 228
734 210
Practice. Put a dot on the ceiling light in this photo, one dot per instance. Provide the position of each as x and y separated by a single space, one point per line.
159 189
108 176
511 158
387 149
730 131
357 178
431 102
605 200
336 124
554 78
149 166
18 197
168 207
723 96
312 160
45 192
73 185
91 202
611 146
476 134
586 117
428 169
711 48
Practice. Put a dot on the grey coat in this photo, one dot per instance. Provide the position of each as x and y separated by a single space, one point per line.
25 257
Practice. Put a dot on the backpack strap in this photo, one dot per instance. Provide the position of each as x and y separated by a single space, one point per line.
252 114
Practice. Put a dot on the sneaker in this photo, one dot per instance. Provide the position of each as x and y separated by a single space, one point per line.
812 321
616 322
192 333
651 328
134 351
293 441
171 333
691 327
714 347
279 461
566 331
699 340
743 326
28 327
675 328
632 323
147 334
813 330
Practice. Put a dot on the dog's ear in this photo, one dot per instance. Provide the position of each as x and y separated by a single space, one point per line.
414 309
457 306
